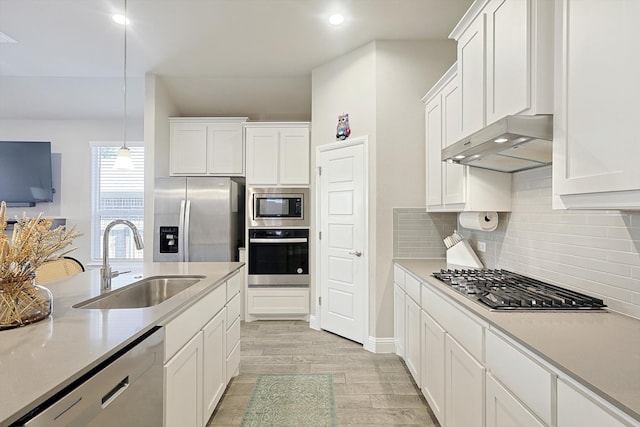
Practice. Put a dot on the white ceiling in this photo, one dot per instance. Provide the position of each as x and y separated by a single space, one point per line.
216 57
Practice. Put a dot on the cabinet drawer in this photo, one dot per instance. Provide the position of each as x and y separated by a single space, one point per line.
525 378
233 336
233 362
412 287
233 310
233 285
398 276
468 331
180 329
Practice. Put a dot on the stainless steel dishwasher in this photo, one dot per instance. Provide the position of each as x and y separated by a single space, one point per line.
125 390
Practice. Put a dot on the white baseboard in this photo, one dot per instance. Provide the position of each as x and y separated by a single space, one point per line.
314 322
380 345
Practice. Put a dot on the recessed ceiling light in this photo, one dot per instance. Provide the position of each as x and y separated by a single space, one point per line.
6 39
336 19
121 19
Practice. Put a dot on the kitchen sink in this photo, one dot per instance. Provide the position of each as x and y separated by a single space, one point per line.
143 293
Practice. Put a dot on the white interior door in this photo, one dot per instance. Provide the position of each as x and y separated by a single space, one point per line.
343 256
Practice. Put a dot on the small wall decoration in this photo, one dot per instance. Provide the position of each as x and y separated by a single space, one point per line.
343 130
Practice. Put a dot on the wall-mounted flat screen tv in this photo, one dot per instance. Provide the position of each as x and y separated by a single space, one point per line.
25 172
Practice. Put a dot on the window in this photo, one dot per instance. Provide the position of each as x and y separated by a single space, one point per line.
116 194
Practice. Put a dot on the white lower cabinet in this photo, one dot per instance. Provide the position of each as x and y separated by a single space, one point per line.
578 409
504 410
398 319
277 303
183 386
464 387
412 339
433 352
214 362
202 353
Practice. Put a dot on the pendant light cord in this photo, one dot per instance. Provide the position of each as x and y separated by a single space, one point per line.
124 126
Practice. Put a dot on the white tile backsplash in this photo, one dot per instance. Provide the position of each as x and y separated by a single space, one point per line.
597 252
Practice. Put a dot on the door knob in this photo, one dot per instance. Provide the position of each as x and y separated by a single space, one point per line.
356 253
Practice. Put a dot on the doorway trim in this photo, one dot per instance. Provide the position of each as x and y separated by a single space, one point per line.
317 322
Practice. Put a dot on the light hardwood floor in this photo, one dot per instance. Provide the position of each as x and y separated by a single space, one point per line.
370 389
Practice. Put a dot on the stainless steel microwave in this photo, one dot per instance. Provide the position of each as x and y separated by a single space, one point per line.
277 207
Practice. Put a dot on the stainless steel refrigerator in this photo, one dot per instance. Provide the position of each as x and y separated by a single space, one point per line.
197 219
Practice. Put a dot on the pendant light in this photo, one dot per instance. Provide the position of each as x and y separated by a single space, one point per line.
123 160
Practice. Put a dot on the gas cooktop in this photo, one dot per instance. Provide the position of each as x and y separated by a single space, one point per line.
505 290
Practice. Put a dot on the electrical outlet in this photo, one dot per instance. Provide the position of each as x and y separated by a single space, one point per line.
482 247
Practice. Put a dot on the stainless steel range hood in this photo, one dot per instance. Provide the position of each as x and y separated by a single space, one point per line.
511 144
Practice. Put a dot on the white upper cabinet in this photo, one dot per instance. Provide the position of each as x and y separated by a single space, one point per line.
201 146
596 145
277 154
519 57
453 187
505 57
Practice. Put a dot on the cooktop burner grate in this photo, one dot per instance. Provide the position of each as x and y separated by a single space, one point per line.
505 290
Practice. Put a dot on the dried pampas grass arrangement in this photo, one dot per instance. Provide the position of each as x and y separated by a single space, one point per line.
32 243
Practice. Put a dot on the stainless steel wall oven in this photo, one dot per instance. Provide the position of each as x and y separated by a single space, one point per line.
278 257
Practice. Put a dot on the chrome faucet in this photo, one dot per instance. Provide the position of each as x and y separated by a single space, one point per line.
105 272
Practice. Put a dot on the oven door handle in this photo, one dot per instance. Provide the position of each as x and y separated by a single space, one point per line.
292 240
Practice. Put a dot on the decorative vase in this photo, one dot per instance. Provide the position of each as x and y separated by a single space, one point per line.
22 301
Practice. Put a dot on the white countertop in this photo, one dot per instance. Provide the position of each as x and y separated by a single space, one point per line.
38 360
600 350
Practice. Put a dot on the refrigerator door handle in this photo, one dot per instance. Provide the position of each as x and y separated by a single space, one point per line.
182 230
187 225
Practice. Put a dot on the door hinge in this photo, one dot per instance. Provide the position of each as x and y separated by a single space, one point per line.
319 235
319 300
319 170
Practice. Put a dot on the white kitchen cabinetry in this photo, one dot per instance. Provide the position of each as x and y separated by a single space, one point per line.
578 407
398 319
464 386
453 187
197 366
202 146
233 311
433 353
214 361
504 410
277 303
505 51
471 60
521 374
595 144
412 339
183 386
519 58
277 154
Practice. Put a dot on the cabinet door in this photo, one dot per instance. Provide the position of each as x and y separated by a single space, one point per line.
262 156
453 189
214 362
472 75
398 319
183 386
577 410
294 156
188 149
464 387
595 144
504 410
433 352
225 149
412 339
433 120
508 58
